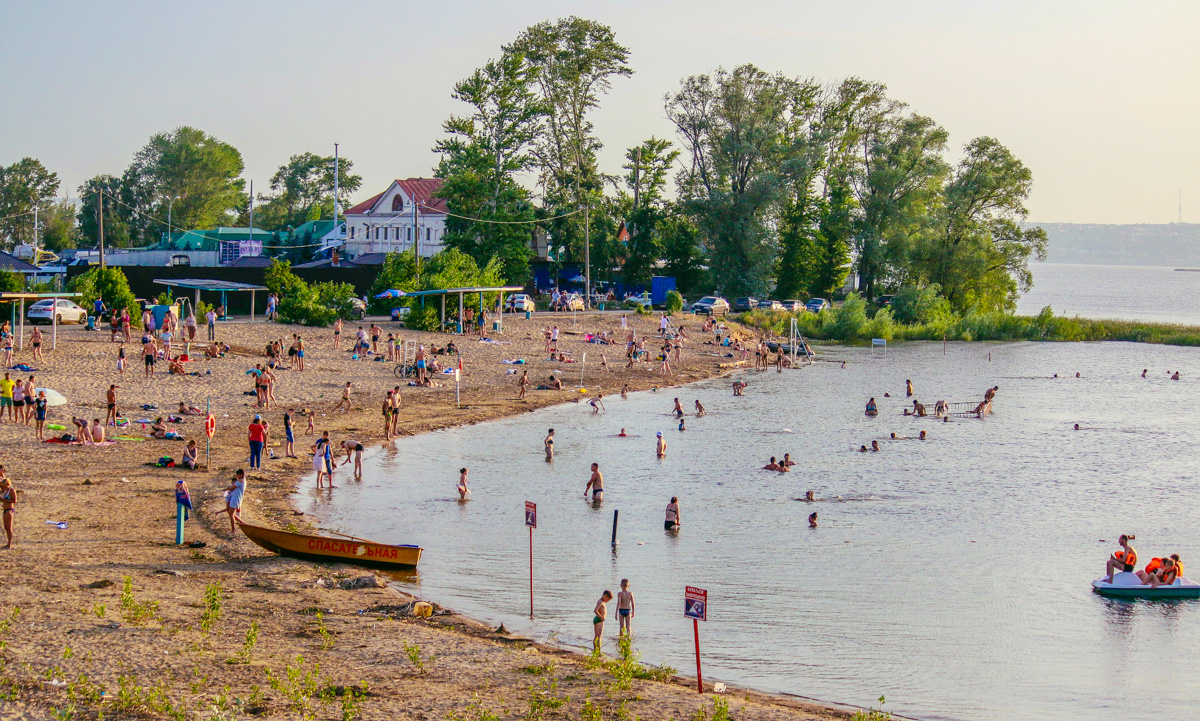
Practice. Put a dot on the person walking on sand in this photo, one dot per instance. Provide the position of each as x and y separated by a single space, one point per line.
625 609
337 334
673 520
660 448
523 384
211 321
111 399
345 399
595 484
549 444
6 396
257 438
35 339
8 501
149 351
351 445
233 499
464 493
599 613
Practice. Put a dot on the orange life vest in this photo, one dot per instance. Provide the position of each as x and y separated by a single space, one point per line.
1170 574
1130 560
1154 565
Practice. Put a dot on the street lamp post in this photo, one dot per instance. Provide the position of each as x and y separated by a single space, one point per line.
170 207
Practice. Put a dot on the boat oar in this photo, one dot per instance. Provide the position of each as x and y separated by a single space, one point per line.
344 535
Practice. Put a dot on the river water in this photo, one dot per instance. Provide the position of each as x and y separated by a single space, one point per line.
951 575
1124 292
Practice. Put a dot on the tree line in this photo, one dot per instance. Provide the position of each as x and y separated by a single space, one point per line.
782 185
185 175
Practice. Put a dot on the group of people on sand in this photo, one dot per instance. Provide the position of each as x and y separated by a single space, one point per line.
7 341
1162 571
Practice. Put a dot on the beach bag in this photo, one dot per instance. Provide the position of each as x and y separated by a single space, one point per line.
165 462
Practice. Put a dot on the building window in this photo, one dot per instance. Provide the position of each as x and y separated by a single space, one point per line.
377 234
397 203
352 232
410 234
428 233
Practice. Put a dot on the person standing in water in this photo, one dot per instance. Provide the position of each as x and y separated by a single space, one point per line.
661 447
549 443
625 609
812 520
699 408
908 389
678 411
599 613
595 484
463 492
672 521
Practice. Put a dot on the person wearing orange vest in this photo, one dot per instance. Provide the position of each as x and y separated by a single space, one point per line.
1170 571
1151 571
1123 560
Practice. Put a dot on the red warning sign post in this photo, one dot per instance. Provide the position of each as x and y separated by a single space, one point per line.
695 607
531 522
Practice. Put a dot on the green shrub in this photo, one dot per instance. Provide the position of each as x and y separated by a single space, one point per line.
281 281
846 322
921 305
202 309
674 301
11 282
110 284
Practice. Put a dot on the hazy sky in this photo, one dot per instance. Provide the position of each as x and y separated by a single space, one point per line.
1098 97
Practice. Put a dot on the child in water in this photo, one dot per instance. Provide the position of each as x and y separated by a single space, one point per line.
600 613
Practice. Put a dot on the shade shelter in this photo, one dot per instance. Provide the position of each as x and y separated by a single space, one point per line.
224 287
462 293
18 310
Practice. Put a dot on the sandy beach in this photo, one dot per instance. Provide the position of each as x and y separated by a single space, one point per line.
176 644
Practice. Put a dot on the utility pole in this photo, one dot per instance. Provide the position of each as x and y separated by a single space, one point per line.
100 218
416 239
587 258
35 238
335 186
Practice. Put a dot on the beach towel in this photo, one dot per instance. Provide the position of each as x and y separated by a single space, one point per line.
24 368
129 438
519 361
61 525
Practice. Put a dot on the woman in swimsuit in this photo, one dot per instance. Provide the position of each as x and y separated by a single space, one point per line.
233 499
549 443
8 499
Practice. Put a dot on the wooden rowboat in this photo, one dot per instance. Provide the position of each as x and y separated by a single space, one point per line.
344 550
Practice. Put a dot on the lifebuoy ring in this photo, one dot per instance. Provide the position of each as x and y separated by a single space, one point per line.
210 425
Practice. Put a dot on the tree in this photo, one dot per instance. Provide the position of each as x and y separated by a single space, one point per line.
108 283
11 282
485 151
733 126
187 163
647 166
116 227
59 231
302 190
572 63
450 268
281 281
979 252
24 186
682 254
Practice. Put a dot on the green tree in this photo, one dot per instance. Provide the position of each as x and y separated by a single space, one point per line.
302 190
188 164
11 282
484 152
450 268
572 63
24 186
116 226
281 281
646 169
59 229
682 255
979 253
733 126
108 283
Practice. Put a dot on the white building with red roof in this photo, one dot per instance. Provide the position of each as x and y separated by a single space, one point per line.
404 215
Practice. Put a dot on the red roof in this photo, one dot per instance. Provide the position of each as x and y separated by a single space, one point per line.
421 189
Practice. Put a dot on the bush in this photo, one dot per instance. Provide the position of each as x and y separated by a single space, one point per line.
281 281
110 284
921 305
674 301
11 282
846 322
424 318
202 309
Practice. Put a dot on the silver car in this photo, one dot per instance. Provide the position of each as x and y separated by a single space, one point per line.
45 312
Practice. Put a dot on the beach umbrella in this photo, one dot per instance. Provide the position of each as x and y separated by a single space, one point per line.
393 293
579 279
53 397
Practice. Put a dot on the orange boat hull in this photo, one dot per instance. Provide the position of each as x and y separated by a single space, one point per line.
321 548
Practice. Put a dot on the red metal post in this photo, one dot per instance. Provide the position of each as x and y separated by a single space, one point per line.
699 678
531 571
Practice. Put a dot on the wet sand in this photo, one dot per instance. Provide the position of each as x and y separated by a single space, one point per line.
74 633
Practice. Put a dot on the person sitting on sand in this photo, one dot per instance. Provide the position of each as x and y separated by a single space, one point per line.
555 383
186 410
157 429
97 431
189 455
772 466
1123 560
175 368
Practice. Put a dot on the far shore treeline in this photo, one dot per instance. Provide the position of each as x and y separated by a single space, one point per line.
775 185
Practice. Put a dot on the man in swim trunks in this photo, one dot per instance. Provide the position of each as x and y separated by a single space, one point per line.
149 350
595 484
625 609
420 359
345 399
351 445
375 331
660 446
678 411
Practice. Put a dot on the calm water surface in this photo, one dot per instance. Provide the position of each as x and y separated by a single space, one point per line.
950 575
1124 292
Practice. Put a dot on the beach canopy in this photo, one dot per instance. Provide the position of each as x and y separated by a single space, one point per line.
393 293
53 397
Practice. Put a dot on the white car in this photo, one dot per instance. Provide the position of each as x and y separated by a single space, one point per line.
518 302
67 312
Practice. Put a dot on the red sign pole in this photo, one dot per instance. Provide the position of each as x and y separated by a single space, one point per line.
695 607
699 678
531 571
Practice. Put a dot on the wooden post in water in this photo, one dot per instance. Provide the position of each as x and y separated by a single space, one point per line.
616 514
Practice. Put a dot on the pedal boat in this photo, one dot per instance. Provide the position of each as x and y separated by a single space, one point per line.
1126 584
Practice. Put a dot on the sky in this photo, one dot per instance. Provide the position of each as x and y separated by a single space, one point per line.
1097 97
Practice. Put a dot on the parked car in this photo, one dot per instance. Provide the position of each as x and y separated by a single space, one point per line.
816 305
741 305
794 306
643 300
711 305
570 302
519 302
884 300
67 312
770 305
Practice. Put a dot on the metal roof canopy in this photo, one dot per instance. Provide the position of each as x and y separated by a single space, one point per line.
216 286
460 292
19 299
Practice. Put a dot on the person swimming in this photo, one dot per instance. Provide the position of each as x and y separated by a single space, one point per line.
810 496
812 520
862 449
622 434
1076 426
772 466
682 424
922 436
1144 371
874 446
